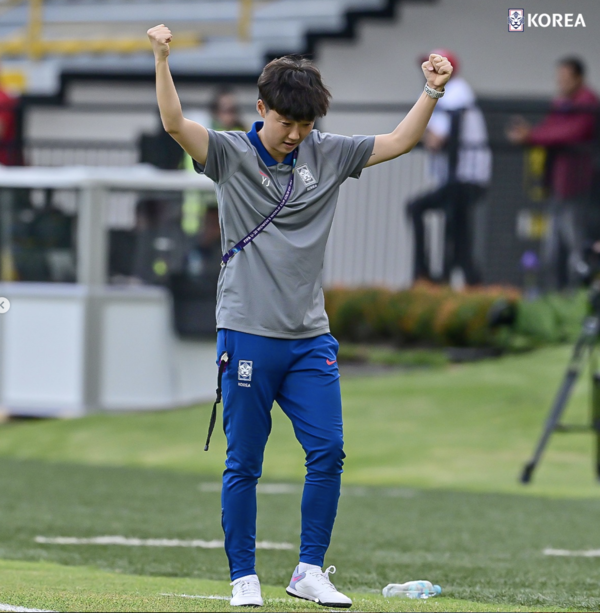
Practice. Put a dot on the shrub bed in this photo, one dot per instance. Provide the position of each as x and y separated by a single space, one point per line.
436 316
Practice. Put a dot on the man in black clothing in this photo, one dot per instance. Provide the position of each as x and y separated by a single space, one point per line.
460 165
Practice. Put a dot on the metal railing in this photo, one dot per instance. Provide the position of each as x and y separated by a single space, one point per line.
46 152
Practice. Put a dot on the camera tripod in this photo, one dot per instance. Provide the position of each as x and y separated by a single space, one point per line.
585 347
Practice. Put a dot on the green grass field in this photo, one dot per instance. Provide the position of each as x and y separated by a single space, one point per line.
430 491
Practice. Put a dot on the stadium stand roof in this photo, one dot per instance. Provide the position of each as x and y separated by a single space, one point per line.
230 39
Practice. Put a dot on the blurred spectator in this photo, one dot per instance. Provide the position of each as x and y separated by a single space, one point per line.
10 149
204 258
224 115
160 243
568 132
10 155
194 291
42 242
224 111
460 166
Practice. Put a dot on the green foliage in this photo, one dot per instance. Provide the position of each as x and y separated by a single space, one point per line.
430 315
553 318
361 315
426 314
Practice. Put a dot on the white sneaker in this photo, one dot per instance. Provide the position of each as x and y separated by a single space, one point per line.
246 592
315 585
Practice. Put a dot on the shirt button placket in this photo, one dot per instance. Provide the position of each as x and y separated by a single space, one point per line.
280 173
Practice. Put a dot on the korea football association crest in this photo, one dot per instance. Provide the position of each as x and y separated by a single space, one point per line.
244 373
307 176
516 20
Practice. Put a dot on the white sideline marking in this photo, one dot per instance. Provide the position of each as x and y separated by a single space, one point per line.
199 597
388 492
278 488
225 597
291 488
7 607
135 542
590 553
210 487
261 488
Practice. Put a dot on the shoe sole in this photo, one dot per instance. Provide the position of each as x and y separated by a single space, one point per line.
247 605
337 605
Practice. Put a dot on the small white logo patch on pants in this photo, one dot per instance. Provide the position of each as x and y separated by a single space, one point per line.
245 370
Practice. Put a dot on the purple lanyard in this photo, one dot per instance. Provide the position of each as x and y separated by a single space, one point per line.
265 222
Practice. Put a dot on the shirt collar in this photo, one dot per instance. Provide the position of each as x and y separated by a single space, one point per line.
265 156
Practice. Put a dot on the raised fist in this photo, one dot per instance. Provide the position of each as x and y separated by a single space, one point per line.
437 70
160 36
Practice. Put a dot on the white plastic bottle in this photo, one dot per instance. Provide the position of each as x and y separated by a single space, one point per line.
412 589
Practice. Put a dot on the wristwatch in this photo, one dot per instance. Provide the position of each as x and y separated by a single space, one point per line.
434 93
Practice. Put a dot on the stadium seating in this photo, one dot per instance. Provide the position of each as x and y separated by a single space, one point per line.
218 36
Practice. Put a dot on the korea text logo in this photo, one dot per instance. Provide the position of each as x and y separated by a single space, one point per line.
244 373
516 20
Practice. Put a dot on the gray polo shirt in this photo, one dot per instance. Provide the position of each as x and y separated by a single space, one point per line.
273 287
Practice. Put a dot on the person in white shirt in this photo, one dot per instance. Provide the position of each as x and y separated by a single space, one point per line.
460 166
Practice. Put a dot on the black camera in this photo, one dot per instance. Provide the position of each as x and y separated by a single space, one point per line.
588 268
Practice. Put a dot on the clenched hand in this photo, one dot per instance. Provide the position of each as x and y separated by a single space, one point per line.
160 36
437 70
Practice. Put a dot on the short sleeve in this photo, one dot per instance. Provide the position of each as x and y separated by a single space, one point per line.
348 154
225 153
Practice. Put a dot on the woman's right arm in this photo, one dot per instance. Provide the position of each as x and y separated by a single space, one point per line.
190 135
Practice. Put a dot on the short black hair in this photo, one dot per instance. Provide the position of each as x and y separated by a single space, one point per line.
293 87
575 64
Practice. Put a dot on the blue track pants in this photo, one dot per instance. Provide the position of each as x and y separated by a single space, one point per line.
303 377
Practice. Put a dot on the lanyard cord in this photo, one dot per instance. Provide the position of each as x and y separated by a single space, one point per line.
213 416
265 222
243 243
